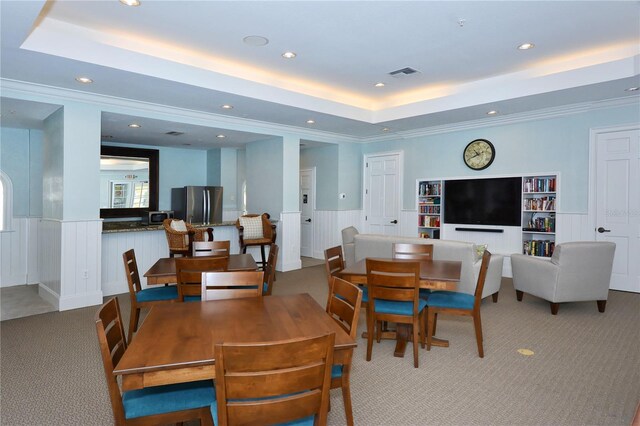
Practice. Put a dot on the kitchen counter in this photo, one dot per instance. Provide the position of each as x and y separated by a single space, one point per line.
136 226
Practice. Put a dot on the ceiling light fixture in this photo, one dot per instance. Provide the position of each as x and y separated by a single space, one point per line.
220 136
84 80
380 84
526 46
311 121
226 106
135 125
492 112
254 40
385 129
130 2
632 89
289 55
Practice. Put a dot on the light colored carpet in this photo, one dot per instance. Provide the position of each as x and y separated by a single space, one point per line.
585 368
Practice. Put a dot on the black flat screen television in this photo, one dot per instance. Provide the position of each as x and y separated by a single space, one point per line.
494 201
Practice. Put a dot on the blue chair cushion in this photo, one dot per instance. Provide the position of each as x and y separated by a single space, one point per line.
336 371
365 293
167 399
265 287
154 294
451 299
398 308
305 421
192 298
425 292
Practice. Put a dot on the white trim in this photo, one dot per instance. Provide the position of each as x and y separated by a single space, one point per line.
80 300
49 295
592 194
7 206
400 154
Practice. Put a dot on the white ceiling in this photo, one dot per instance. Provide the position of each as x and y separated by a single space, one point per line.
191 55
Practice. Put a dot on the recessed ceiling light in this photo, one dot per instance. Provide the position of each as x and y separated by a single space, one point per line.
226 106
385 129
220 136
311 121
492 112
289 55
254 40
135 125
526 46
379 84
130 2
84 80
632 89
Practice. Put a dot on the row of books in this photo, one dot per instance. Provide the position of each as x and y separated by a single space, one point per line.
539 185
433 233
429 209
431 221
429 200
538 248
426 188
541 224
543 203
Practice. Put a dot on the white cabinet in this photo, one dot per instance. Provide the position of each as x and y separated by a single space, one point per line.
429 208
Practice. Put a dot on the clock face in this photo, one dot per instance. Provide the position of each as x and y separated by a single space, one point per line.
479 154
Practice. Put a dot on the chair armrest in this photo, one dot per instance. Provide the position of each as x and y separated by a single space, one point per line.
535 275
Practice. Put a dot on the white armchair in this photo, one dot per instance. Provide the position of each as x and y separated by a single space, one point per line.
579 271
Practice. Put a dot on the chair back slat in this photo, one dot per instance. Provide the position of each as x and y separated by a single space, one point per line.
280 381
211 248
189 273
486 257
270 268
231 285
412 251
113 345
333 262
131 270
344 303
393 281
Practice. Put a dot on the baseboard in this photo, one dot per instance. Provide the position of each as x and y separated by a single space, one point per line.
49 295
318 255
80 301
291 266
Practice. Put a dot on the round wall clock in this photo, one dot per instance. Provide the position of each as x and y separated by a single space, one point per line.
479 154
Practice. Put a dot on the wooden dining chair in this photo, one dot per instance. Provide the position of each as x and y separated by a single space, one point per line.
211 248
231 285
334 264
270 270
414 252
455 303
181 235
153 405
189 274
394 297
273 382
143 298
343 305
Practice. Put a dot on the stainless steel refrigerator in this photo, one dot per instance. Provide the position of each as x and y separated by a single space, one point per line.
197 204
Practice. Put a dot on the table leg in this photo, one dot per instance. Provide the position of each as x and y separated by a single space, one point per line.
403 335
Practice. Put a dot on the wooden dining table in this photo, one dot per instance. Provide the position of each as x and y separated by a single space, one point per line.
164 270
434 275
175 343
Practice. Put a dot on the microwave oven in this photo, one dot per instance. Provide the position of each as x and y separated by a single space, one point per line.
156 218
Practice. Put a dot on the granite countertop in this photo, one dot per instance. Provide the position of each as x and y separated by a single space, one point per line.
135 226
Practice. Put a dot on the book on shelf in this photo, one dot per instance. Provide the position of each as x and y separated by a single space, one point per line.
429 188
542 248
542 203
539 184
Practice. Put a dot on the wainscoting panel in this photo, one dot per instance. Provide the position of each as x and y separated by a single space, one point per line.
574 227
81 264
13 253
33 254
409 223
289 241
328 226
50 256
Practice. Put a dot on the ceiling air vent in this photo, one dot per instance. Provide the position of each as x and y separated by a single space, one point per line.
403 72
174 133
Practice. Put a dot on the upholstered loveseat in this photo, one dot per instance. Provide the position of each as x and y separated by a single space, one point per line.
360 246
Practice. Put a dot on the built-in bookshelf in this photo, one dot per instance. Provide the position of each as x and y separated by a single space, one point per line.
429 208
539 198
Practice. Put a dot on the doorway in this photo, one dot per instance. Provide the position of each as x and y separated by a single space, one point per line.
307 207
617 201
382 192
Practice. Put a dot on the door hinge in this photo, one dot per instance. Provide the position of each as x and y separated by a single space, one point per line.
366 192
367 164
365 218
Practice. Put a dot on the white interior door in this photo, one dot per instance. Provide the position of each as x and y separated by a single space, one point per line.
618 203
307 205
382 194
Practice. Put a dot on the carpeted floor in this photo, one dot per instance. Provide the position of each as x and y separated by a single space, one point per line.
585 368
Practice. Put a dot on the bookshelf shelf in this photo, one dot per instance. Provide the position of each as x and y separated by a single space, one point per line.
539 197
429 208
